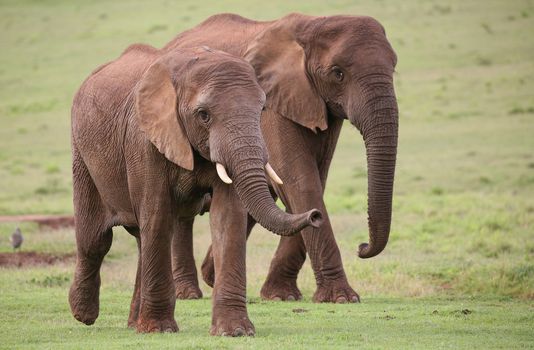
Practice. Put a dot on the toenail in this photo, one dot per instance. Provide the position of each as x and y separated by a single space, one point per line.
239 332
290 298
341 300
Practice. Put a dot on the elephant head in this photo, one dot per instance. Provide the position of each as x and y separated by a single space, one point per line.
340 66
210 102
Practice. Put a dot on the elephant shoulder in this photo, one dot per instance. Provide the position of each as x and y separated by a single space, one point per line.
127 68
135 58
226 19
140 49
108 86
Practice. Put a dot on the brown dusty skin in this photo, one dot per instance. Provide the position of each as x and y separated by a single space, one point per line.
316 72
25 259
162 119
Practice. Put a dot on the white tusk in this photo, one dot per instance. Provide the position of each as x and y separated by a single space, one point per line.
273 175
221 171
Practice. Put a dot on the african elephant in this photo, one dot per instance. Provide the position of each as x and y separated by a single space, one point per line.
147 129
316 72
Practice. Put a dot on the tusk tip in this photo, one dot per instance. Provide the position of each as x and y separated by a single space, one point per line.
273 175
223 175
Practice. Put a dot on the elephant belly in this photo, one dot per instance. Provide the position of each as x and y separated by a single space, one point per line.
191 203
108 173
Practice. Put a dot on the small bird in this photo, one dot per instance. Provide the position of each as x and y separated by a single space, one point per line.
16 239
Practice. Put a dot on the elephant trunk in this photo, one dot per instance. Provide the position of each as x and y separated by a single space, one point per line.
380 136
246 162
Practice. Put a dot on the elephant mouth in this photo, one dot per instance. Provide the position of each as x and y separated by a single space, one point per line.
336 110
223 175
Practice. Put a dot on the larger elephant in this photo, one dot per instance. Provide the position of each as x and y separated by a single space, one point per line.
316 72
147 129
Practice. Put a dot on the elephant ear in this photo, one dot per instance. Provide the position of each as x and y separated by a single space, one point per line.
157 117
280 65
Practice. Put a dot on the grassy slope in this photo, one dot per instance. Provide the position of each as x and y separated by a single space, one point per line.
464 207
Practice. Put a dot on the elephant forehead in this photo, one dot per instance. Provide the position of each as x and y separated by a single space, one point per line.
336 26
217 65
360 55
231 94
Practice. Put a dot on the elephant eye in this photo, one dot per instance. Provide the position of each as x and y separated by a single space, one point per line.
338 73
203 115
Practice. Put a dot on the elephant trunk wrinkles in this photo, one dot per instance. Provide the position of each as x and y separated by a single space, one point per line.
247 167
380 137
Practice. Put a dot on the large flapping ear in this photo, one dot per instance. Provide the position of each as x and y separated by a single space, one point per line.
157 118
280 64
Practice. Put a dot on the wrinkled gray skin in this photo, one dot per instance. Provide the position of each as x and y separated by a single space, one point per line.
146 131
316 72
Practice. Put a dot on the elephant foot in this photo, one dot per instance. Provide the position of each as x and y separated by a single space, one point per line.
187 291
232 327
280 290
167 325
337 291
83 300
208 269
134 313
132 322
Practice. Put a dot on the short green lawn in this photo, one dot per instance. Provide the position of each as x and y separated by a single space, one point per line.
459 269
37 318
35 312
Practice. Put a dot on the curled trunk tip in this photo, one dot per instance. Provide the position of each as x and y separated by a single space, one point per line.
365 251
251 187
315 218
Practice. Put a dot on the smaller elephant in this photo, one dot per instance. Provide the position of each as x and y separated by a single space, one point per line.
147 129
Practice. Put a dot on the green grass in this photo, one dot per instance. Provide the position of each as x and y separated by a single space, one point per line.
378 323
463 222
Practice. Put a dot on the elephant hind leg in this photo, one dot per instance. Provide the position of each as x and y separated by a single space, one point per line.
183 261
136 297
208 268
93 240
281 282
85 289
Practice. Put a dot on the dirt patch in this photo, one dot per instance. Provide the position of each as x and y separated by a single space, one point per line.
52 221
22 259
299 311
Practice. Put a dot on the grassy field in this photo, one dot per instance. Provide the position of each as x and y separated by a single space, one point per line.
459 269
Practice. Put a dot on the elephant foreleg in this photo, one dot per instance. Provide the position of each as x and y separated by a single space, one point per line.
228 222
208 268
332 284
157 301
